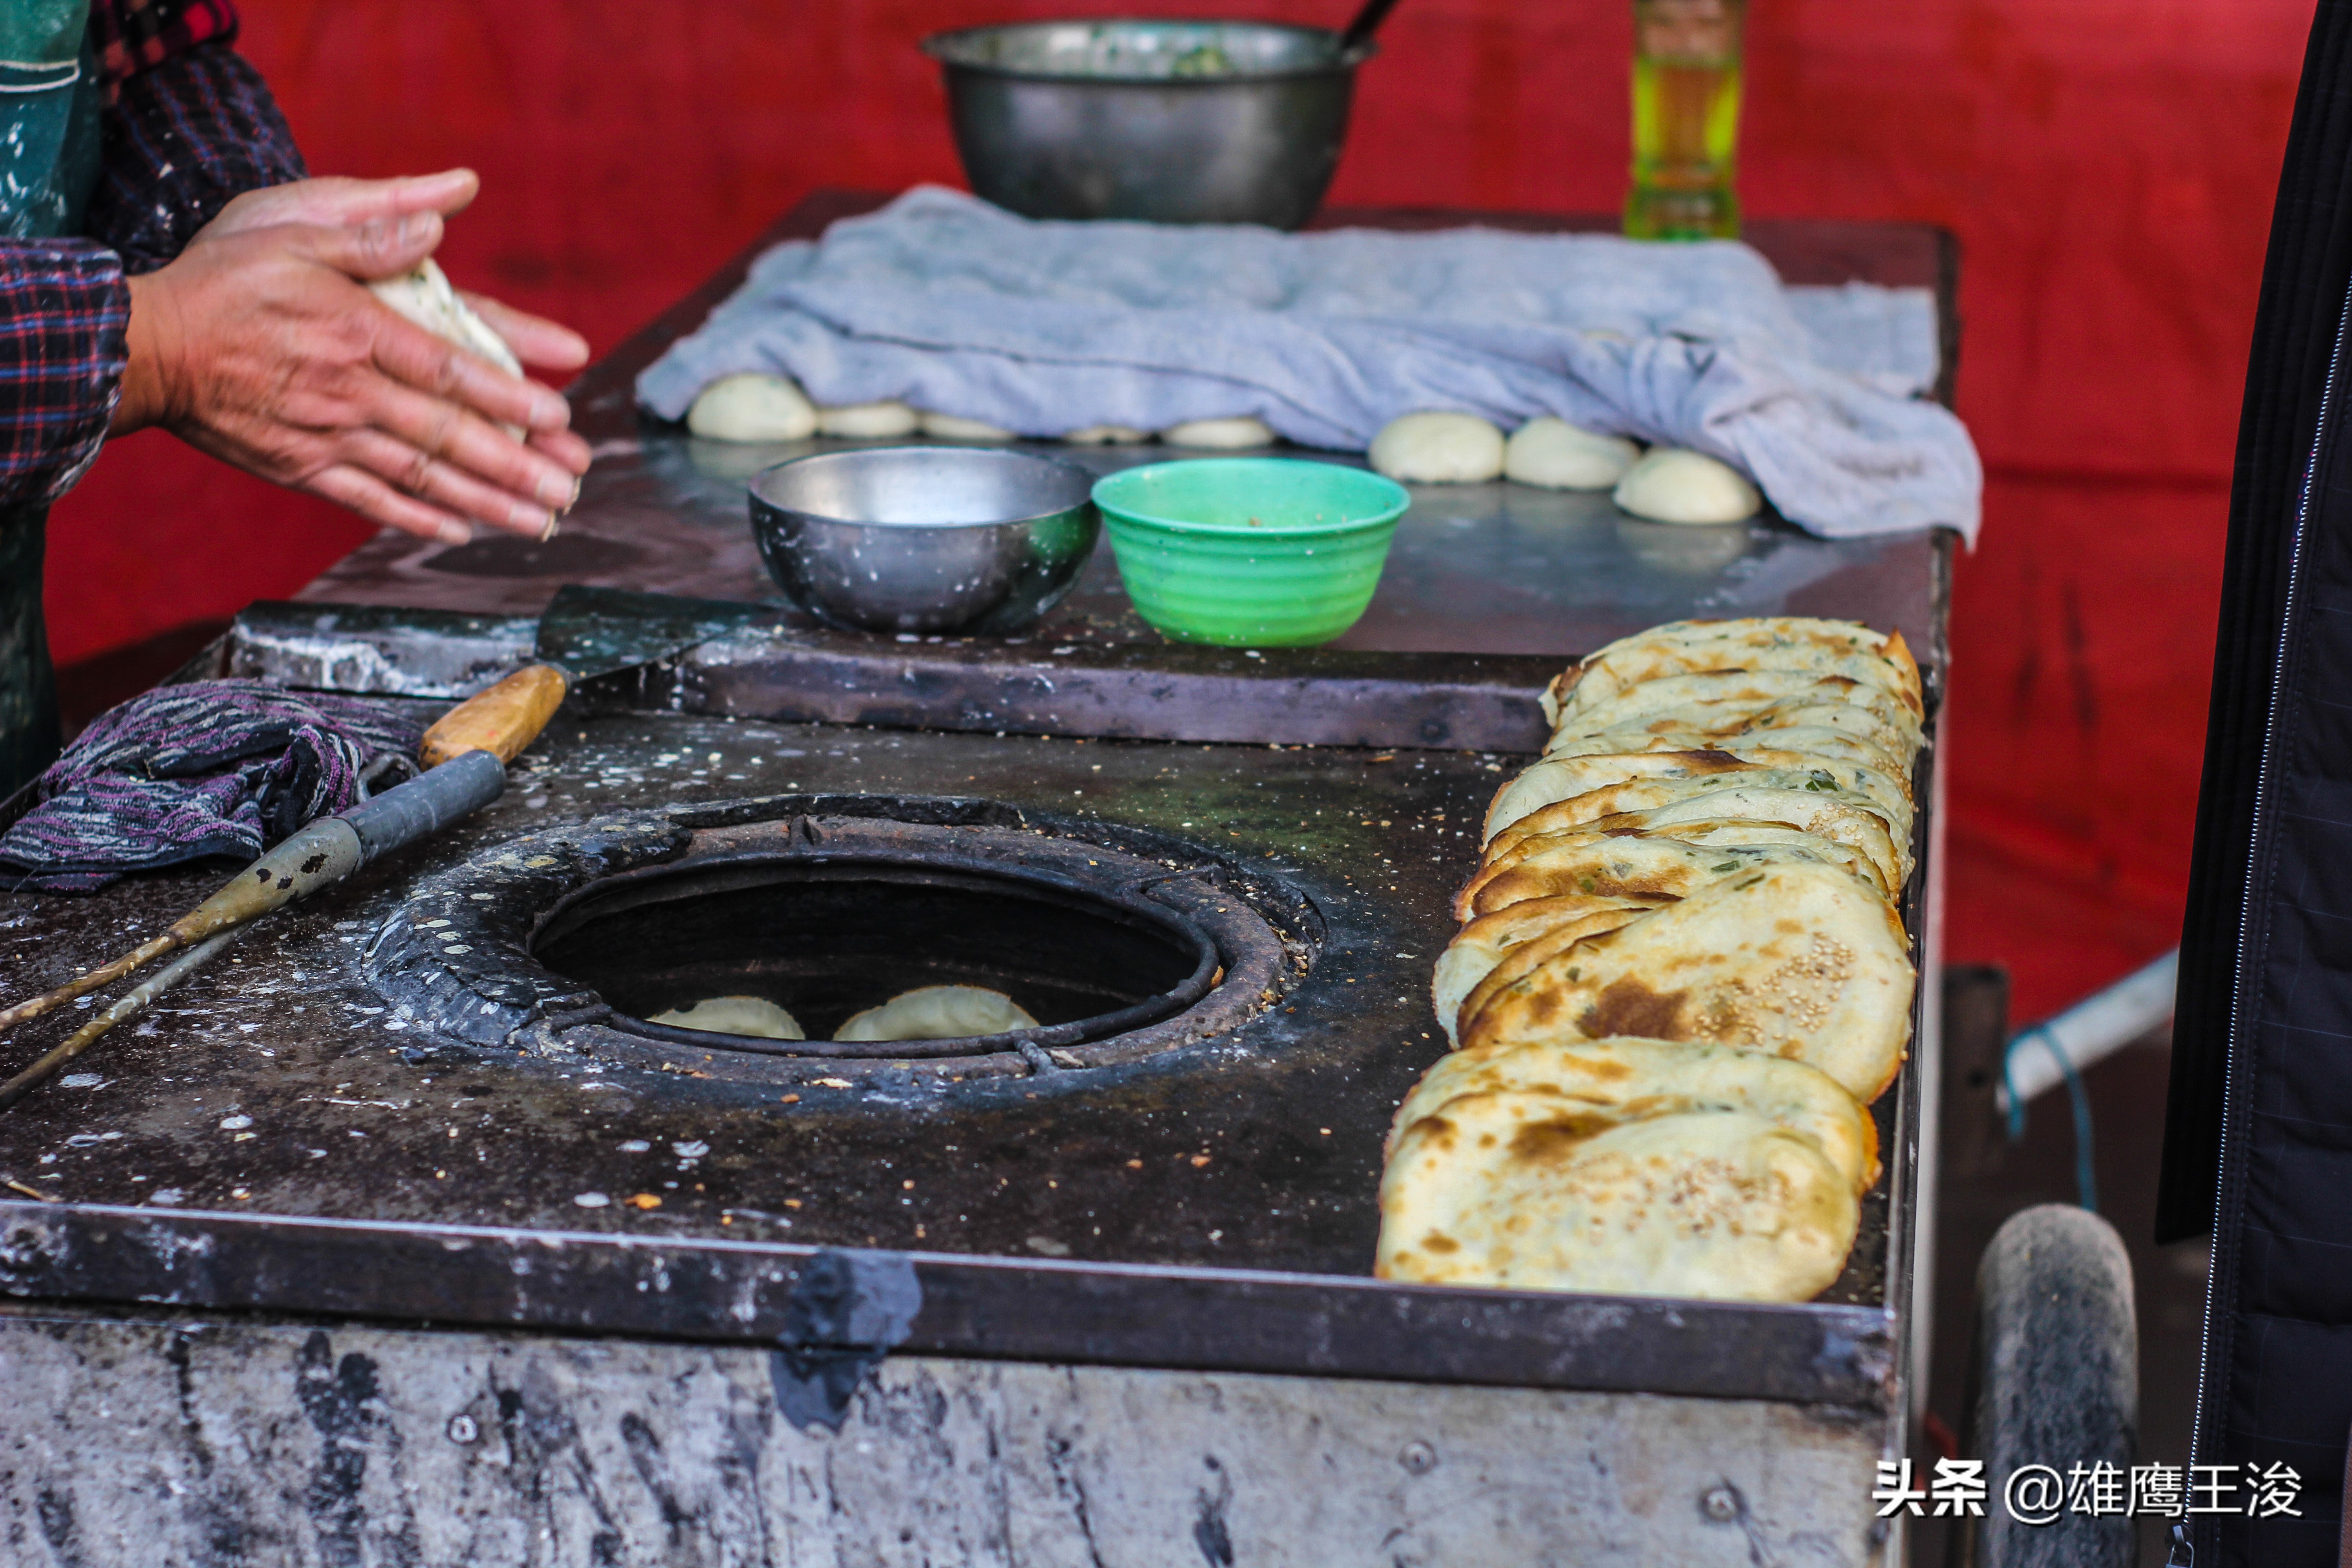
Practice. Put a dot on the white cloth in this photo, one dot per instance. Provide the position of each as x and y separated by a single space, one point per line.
1043 328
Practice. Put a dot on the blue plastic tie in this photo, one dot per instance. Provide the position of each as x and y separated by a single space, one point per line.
2087 1186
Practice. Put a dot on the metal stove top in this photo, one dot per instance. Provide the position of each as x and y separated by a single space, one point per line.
279 1133
280 1137
283 1082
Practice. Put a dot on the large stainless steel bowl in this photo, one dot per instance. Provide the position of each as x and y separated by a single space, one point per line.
1171 122
924 539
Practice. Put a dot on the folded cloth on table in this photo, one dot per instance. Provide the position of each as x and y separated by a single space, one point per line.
1044 326
213 767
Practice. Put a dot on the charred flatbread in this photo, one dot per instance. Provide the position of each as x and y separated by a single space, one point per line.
1504 1189
1482 944
1627 1078
1801 960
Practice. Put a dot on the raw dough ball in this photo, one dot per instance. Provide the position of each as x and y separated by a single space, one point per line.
753 408
1671 485
1558 456
1228 434
939 1013
947 427
1438 448
1107 435
753 1015
869 420
425 296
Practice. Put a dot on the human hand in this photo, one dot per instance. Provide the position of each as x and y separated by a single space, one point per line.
338 203
260 345
350 204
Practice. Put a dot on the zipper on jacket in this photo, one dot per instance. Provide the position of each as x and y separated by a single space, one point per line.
2183 1553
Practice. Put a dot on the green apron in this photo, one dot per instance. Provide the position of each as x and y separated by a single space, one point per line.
48 164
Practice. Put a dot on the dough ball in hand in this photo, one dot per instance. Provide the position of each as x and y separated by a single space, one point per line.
752 408
753 1015
423 294
1229 434
950 428
1558 456
1107 435
1438 448
1671 485
868 421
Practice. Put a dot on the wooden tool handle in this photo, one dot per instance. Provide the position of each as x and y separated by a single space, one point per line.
504 719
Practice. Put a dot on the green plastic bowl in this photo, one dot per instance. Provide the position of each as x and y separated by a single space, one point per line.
1250 552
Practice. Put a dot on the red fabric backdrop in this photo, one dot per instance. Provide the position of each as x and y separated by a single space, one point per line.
2108 165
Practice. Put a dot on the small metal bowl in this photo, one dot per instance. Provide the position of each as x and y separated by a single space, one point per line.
924 539
1164 121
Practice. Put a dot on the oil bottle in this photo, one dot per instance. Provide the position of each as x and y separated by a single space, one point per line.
1686 71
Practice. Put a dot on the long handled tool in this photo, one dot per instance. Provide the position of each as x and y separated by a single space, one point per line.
586 632
319 856
322 854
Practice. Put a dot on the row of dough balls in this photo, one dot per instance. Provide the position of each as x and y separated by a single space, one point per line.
754 408
1667 484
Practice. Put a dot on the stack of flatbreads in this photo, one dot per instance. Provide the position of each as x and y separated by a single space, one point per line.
1682 978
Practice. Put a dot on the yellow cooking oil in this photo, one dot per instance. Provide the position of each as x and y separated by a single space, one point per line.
1687 84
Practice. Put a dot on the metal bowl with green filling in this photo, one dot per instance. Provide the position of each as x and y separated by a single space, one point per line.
1165 121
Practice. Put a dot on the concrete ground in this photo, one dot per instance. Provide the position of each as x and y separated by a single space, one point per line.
1985 1179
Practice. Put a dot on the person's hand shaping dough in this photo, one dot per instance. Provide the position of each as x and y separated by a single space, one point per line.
261 345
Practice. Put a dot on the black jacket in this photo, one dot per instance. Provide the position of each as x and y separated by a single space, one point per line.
2258 1136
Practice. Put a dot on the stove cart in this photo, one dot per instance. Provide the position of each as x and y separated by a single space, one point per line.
401 1235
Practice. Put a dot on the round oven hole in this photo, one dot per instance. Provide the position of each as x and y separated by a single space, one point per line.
825 938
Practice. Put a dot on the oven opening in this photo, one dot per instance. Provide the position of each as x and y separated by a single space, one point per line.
828 940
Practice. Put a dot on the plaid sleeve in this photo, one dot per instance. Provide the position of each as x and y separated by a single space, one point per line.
63 307
131 35
181 140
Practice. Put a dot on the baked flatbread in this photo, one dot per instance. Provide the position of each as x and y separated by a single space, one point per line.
1641 864
1556 779
1716 723
1512 1190
1810 801
1715 702
1794 644
939 1013
1842 819
1797 959
1479 946
1863 831
753 1015
1807 742
1626 1079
